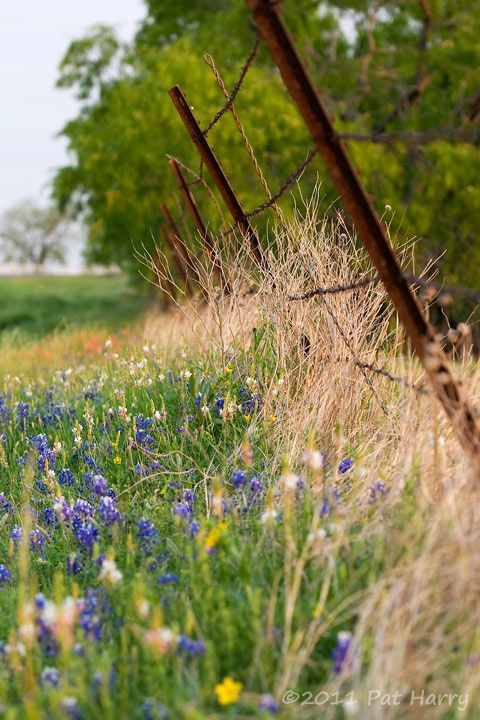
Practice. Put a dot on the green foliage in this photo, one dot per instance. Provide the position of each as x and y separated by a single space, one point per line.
382 70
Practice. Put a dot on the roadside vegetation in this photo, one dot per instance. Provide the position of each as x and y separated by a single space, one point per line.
212 518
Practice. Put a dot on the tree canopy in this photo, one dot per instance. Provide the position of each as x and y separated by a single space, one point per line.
33 234
402 80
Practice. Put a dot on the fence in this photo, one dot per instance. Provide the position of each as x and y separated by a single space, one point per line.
369 227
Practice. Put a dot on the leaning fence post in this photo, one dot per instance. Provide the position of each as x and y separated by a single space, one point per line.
219 177
179 250
208 240
366 221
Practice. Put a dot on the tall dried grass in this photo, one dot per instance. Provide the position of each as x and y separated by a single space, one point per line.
416 625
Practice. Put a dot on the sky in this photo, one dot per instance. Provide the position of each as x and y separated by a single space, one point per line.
34 36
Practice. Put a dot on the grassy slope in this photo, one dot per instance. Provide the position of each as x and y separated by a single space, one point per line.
34 306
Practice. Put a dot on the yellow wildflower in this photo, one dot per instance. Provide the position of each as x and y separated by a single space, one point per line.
228 691
117 460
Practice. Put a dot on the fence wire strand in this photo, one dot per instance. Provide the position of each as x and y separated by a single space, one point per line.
231 96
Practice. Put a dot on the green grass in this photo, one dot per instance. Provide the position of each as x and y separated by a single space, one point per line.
35 306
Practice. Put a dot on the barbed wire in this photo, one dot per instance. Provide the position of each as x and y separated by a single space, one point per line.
370 366
284 187
335 289
231 96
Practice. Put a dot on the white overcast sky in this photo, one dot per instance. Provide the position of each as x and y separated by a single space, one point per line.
34 35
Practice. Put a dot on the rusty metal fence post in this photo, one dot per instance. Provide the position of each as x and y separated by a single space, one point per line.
207 239
368 225
219 177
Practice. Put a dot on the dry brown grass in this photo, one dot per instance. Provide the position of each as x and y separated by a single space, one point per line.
417 623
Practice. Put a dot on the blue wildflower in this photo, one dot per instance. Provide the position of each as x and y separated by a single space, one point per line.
187 646
86 533
148 536
108 512
345 466
168 578
154 710
65 477
268 703
37 542
16 534
342 652
5 575
50 676
239 478
182 510
377 491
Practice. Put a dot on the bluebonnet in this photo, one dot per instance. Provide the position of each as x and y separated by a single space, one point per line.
239 478
342 652
23 412
37 542
377 491
147 535
16 534
83 509
268 703
108 512
345 466
182 510
5 412
5 506
187 646
86 534
50 676
65 477
154 710
256 485
5 575
168 578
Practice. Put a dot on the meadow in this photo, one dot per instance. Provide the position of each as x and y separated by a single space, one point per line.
201 519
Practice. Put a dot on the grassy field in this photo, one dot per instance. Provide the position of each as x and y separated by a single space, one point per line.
197 521
33 306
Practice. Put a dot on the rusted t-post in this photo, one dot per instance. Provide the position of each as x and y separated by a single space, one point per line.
368 225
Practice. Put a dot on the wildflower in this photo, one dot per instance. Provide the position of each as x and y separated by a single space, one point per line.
86 534
154 710
108 512
345 466
377 491
5 575
186 645
168 578
239 478
251 384
65 477
228 691
37 542
182 510
147 535
117 460
268 703
51 676
342 652
289 480
312 459
162 639
109 572
16 534
269 516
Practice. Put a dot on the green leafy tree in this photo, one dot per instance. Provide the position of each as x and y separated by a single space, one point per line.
402 80
33 234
